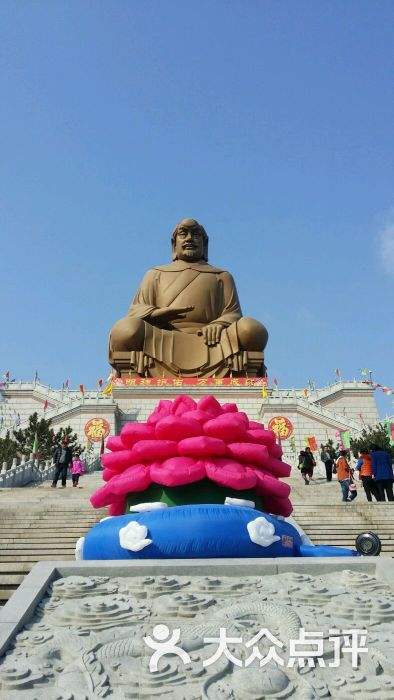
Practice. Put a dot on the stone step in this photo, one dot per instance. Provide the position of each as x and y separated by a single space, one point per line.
33 558
10 579
36 546
15 567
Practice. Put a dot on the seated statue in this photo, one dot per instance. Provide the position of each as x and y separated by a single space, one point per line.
186 320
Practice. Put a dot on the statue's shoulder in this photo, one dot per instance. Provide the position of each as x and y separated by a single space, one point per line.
180 265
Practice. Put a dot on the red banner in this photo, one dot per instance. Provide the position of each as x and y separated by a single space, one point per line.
190 381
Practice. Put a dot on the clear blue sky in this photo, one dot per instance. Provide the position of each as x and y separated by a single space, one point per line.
270 122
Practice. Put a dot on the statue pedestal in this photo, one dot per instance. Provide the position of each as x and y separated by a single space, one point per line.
253 366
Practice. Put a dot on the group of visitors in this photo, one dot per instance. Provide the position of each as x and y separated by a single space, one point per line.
374 469
64 460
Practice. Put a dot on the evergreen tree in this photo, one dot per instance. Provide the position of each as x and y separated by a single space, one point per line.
72 439
8 449
376 435
47 439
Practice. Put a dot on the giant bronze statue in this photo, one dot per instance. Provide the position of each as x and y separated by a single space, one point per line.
186 320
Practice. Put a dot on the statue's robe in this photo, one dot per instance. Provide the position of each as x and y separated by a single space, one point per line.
180 347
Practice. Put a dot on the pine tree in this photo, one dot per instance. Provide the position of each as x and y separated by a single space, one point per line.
47 439
376 435
72 439
8 449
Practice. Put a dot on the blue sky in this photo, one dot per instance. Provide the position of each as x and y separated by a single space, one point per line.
270 122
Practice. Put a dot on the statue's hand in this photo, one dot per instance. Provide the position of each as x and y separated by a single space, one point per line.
212 333
166 315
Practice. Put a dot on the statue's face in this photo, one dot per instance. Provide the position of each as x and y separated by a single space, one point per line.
189 244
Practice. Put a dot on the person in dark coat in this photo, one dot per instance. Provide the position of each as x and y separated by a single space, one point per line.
382 470
328 462
62 457
306 463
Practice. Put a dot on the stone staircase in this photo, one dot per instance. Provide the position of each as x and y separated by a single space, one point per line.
319 510
42 523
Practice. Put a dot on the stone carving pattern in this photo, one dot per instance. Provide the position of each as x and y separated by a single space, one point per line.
86 638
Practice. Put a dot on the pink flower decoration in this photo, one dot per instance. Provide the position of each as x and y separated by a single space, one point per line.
114 443
136 478
177 471
183 442
177 428
227 472
202 446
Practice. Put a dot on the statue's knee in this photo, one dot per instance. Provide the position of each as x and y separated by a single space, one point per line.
127 334
252 334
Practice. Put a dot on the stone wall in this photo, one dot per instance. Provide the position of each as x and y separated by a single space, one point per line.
324 412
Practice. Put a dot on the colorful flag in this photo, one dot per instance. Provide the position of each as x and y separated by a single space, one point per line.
7 376
311 442
305 392
390 431
338 372
35 446
264 392
345 437
276 382
108 390
46 404
66 384
36 378
100 382
82 389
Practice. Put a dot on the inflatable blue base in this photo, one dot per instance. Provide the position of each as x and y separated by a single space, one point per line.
199 532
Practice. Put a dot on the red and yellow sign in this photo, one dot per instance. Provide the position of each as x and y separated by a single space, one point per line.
312 443
97 429
281 426
189 381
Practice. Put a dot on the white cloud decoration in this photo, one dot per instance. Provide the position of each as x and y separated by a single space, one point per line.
242 502
133 536
79 549
144 507
262 532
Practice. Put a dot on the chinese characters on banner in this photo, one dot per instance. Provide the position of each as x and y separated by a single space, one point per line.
97 429
190 381
282 427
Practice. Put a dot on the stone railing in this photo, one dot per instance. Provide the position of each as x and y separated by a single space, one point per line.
31 472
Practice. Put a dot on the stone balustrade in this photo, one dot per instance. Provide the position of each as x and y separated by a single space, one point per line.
31 472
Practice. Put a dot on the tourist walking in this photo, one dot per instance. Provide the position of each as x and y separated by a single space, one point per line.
328 462
62 457
382 470
343 474
364 467
77 468
306 463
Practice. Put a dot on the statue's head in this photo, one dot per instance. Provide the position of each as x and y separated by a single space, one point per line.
189 241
